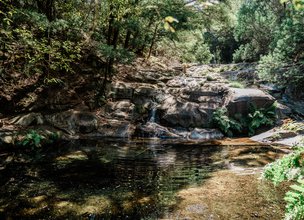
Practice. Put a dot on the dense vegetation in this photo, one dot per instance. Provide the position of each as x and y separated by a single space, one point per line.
271 33
54 37
290 168
240 124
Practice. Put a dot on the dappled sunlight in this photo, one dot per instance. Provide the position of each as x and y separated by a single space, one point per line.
227 195
142 178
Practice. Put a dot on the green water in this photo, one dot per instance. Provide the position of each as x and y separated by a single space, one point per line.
107 179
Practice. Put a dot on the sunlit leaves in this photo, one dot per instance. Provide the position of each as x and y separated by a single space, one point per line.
170 19
298 4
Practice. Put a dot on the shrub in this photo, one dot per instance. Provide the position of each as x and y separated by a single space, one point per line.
36 138
290 167
286 168
260 117
235 125
227 125
295 201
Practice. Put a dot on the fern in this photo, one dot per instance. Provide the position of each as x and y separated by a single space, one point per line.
260 117
286 168
226 124
36 138
255 119
295 202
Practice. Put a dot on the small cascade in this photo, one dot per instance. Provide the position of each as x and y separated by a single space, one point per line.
152 118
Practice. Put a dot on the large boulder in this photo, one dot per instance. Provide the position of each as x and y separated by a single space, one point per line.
192 105
183 114
239 101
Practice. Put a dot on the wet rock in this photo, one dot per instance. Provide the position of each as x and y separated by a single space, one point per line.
240 100
144 93
28 119
114 128
206 134
184 114
120 110
206 93
283 111
272 89
73 122
279 136
6 138
152 129
121 90
296 106
292 141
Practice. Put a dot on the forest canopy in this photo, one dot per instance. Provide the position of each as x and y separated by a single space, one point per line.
53 37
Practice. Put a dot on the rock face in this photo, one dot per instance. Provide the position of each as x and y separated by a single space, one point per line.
150 104
73 122
239 101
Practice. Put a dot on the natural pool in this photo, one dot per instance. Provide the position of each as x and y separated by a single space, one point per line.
139 179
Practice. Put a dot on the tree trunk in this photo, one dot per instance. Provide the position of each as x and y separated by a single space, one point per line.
47 7
127 40
153 41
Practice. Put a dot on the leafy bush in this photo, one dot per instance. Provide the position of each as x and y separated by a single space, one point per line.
295 202
290 167
32 139
286 168
235 125
35 139
228 125
260 117
189 47
245 53
256 23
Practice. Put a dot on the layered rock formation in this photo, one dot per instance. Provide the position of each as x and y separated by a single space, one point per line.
149 104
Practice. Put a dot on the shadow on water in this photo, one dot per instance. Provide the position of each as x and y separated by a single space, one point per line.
112 179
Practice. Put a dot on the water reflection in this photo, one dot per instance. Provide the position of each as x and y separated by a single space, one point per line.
112 179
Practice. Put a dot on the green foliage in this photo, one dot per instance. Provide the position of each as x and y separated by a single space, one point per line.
256 24
295 201
218 23
260 117
245 53
272 33
32 139
284 65
290 167
188 46
237 124
33 44
50 38
228 125
36 138
286 168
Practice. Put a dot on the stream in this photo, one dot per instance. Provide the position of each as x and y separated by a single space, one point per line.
140 179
